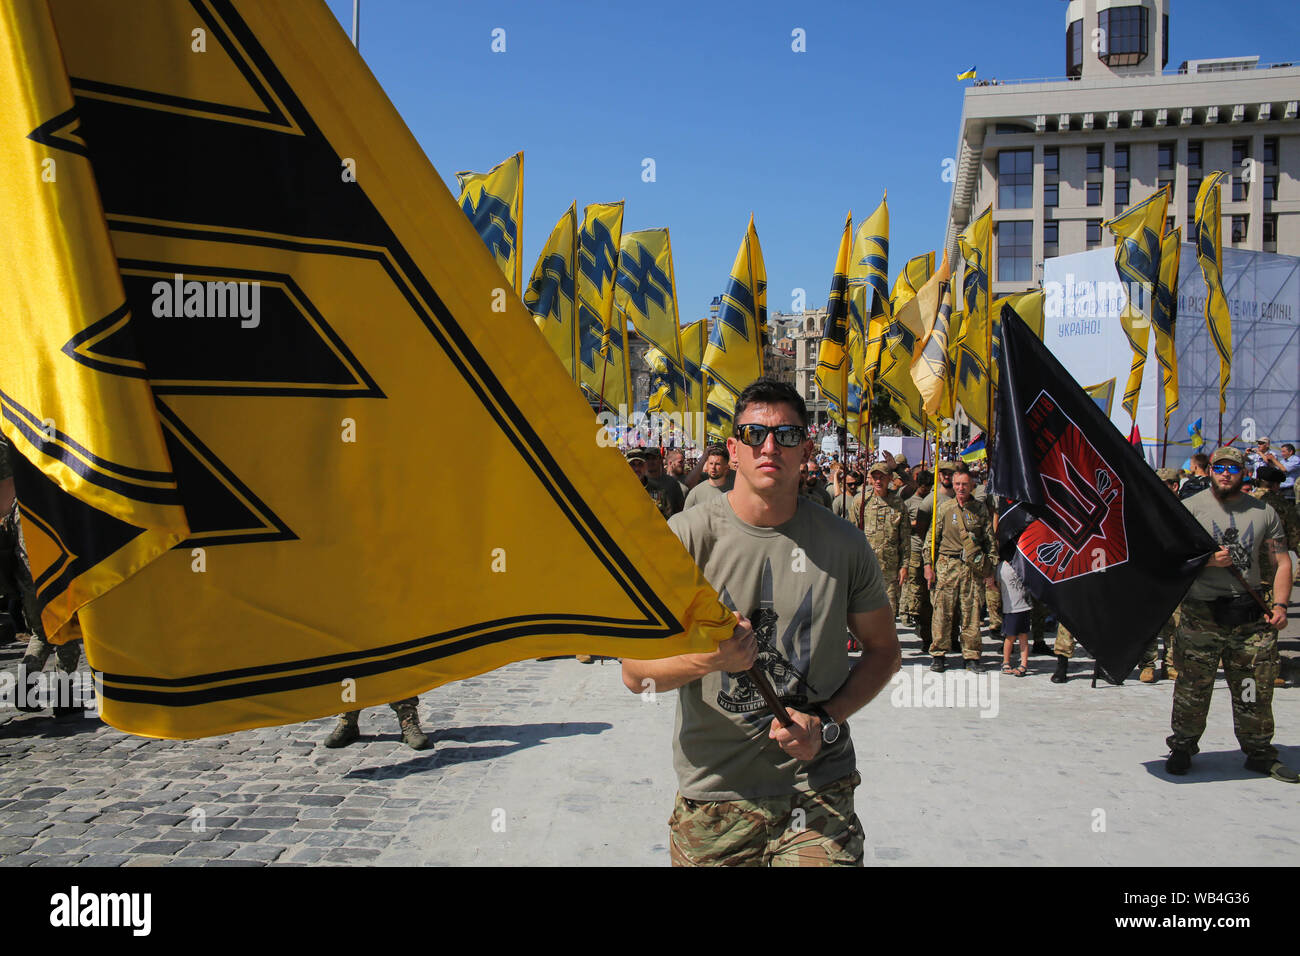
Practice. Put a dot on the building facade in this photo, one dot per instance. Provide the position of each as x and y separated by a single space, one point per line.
1056 158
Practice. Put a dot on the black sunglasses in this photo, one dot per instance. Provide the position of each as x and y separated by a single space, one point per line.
787 436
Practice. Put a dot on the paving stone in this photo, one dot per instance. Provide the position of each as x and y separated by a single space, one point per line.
160 847
210 851
241 835
266 854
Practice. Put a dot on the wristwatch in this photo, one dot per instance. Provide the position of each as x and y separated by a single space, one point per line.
830 729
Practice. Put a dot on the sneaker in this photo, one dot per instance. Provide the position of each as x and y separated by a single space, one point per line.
1179 762
345 733
974 665
1274 768
937 665
1148 675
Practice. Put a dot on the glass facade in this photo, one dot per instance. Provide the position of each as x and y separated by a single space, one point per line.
1094 233
1121 158
1125 33
1051 240
1094 159
1015 251
1051 161
1165 155
1240 226
1270 151
1094 194
1016 179
1121 194
1074 50
1051 195
1194 153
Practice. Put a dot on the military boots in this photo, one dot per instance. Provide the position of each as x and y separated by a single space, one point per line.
409 718
346 732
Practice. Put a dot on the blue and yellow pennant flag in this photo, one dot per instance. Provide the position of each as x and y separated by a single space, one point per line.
931 312
193 359
494 202
1164 318
1138 233
734 356
695 340
975 346
602 339
834 364
869 314
550 295
1027 305
646 295
967 74
1209 253
900 343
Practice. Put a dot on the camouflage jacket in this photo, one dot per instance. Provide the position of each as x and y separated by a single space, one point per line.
966 534
887 526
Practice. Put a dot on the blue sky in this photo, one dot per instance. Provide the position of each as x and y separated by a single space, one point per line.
733 118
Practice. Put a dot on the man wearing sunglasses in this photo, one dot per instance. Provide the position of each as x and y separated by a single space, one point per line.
752 792
1219 621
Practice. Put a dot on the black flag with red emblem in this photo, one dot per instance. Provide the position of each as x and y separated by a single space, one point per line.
1084 520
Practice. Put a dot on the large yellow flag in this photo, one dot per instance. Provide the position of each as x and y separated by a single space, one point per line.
494 202
695 340
834 364
1209 253
900 343
550 293
1027 305
1164 318
645 294
734 356
930 311
602 341
312 328
869 314
1138 232
975 344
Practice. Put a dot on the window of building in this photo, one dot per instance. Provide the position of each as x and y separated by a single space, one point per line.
1240 189
1240 227
1270 186
1168 186
1125 30
1051 243
1094 159
1191 229
1094 194
1240 151
1121 159
1270 151
1193 187
1270 233
1051 194
1094 233
1074 50
1051 162
1194 153
1121 194
1016 179
1165 156
1169 224
1015 251
1164 42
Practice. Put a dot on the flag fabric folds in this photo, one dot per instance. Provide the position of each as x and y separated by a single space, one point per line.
930 311
550 294
967 74
1083 519
645 294
1164 318
1138 233
900 342
1027 305
1209 253
1103 393
494 202
734 355
835 369
602 340
695 339
976 340
869 314
1194 433
332 559
975 451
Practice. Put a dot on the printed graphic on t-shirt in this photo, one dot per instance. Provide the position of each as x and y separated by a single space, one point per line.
784 655
1239 545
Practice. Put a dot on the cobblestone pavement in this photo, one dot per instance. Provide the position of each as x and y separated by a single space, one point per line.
554 762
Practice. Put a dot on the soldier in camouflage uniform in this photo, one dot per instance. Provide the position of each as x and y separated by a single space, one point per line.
664 490
1220 623
888 530
408 718
916 596
1268 490
967 555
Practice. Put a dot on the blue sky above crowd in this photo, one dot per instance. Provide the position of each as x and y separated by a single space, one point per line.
734 119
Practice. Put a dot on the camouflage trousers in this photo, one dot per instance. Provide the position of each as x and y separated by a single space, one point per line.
1064 646
893 590
992 601
911 593
39 650
816 828
956 593
1151 656
1250 662
409 707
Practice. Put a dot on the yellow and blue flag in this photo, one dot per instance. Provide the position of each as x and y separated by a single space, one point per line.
695 339
1027 305
1164 318
550 294
932 359
1209 253
1103 393
1194 433
734 356
193 353
834 364
645 294
494 202
869 314
1138 233
975 345
602 341
900 342
967 74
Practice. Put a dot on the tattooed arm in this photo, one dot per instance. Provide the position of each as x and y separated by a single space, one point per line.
1275 549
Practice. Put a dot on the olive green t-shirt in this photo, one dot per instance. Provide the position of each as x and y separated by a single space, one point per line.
1242 526
797 583
706 490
